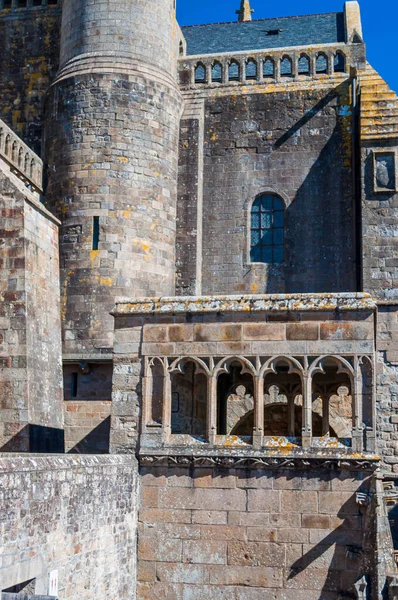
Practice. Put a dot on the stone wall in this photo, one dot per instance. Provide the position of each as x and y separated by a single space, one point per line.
31 36
379 219
87 426
30 321
387 385
73 515
292 141
246 535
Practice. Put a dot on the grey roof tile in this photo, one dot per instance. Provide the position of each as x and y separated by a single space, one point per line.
253 35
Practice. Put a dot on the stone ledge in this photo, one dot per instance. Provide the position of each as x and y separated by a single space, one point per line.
248 304
251 459
12 463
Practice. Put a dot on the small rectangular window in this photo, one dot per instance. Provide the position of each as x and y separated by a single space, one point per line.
96 232
73 385
7 4
274 31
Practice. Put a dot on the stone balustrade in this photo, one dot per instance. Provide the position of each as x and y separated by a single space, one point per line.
272 66
22 160
7 5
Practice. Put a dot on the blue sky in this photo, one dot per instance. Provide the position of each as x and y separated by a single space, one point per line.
379 21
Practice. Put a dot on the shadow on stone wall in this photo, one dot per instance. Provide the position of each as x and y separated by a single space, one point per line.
320 244
36 439
96 442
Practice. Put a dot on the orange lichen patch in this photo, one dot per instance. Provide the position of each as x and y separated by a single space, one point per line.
127 214
122 159
282 443
379 106
94 254
231 441
105 281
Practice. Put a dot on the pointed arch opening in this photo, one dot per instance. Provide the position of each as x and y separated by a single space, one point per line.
321 65
251 70
189 399
339 62
200 73
332 399
286 67
235 399
268 68
234 71
216 72
304 65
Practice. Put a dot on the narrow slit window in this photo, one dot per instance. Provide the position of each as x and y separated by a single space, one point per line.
96 232
267 230
73 385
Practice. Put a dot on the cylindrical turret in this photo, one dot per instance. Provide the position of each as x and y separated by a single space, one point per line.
111 148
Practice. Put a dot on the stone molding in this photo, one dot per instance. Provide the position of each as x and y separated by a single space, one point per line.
57 462
245 304
305 463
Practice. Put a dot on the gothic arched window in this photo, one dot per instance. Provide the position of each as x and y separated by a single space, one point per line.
267 230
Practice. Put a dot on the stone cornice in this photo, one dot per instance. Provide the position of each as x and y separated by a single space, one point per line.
337 462
245 304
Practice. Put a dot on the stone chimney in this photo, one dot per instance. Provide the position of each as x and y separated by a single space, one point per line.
245 12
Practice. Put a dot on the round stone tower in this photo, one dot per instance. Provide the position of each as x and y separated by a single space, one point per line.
111 144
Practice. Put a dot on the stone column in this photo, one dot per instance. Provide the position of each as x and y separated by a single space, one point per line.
307 411
212 409
258 431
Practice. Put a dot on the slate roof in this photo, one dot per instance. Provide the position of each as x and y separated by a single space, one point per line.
253 35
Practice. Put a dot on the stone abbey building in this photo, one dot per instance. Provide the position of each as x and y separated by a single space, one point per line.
199 306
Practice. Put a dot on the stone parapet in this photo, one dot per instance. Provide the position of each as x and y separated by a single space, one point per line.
22 160
271 66
78 510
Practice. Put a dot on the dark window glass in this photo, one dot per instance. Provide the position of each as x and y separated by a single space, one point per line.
267 230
